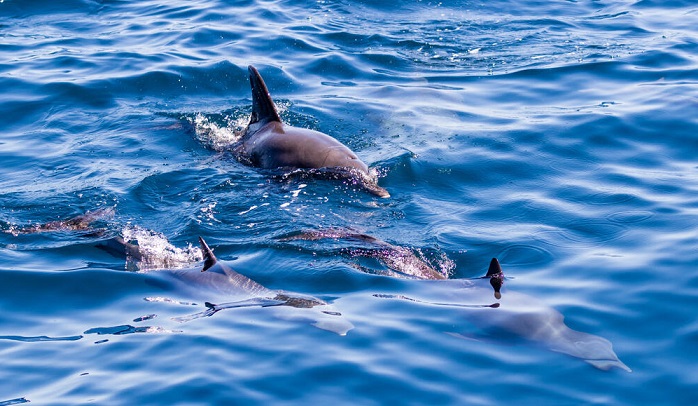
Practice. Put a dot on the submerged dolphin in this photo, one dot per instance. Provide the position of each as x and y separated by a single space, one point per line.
519 315
401 261
217 277
82 222
269 143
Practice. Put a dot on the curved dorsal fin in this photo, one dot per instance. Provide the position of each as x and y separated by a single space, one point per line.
209 259
496 276
263 109
495 268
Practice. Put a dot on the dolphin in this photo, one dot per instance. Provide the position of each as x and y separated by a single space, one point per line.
219 278
401 261
270 144
516 314
82 222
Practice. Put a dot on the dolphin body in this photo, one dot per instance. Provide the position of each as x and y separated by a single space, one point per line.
82 222
535 321
270 144
515 315
401 261
219 278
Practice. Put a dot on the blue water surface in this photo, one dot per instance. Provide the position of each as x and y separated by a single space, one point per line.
558 136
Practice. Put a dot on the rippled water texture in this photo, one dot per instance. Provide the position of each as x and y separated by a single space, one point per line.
559 137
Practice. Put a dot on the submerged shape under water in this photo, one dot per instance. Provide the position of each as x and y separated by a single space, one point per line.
557 137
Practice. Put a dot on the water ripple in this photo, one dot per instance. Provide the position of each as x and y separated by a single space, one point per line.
557 136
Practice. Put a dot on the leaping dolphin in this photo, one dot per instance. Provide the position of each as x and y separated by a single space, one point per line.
269 143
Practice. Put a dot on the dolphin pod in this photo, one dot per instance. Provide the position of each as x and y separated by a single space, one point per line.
270 144
514 313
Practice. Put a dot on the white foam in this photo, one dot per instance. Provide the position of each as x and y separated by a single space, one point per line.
215 136
156 251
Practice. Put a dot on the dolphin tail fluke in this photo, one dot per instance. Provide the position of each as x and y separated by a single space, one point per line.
263 109
207 253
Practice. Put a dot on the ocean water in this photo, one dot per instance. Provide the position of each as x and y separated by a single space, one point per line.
560 137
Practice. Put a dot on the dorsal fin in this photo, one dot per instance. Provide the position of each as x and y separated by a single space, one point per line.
495 268
263 109
209 259
496 277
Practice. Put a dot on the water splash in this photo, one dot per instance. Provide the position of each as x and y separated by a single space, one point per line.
161 299
218 135
156 252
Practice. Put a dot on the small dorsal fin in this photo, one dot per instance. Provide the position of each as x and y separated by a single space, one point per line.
495 268
496 276
209 259
263 109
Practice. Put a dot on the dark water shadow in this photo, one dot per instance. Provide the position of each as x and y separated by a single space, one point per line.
33 339
15 401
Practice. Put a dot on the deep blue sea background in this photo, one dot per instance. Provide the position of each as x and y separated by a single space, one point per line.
558 136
